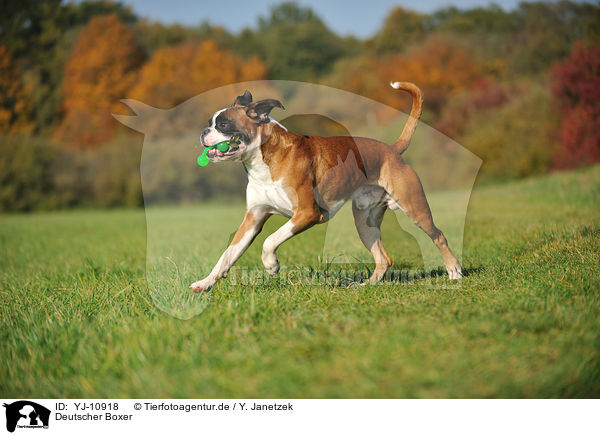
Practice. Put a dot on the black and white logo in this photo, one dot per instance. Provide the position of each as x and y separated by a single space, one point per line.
26 414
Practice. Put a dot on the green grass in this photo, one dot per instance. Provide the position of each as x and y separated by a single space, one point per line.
79 319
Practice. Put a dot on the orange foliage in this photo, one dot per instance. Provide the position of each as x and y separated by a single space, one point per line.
14 97
179 72
439 67
99 72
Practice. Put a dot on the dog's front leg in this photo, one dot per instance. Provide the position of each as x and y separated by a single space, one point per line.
245 234
302 220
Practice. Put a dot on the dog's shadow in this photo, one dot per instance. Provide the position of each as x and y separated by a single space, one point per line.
355 276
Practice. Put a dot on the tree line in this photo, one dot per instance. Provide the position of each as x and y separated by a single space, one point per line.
518 87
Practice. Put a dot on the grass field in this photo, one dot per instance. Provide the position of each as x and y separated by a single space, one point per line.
77 318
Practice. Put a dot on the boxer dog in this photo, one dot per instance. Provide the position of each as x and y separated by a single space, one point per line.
309 178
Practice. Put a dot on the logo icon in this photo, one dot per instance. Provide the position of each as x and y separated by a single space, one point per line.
26 414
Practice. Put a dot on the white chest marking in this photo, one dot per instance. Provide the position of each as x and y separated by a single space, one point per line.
262 190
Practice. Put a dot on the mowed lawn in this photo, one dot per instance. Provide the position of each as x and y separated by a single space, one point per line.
77 318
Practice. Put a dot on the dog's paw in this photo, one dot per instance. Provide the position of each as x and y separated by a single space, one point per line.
271 263
455 272
273 269
204 285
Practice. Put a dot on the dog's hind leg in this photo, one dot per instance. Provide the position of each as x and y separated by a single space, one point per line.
403 185
368 224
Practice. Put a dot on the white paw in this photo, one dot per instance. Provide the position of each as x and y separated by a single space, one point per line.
454 272
270 262
273 269
203 285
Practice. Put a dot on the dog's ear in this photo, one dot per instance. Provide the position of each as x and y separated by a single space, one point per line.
243 100
260 110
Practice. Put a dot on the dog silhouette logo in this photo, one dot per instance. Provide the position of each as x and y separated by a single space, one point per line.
26 414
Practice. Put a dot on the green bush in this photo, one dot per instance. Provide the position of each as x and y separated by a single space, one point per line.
37 175
25 174
516 140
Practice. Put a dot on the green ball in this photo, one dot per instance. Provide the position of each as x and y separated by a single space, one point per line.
223 146
203 159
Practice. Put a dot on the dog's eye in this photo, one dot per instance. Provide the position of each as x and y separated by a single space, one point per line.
223 124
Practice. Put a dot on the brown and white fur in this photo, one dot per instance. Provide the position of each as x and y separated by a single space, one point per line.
309 178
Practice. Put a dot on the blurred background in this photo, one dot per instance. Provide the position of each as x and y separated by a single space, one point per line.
518 85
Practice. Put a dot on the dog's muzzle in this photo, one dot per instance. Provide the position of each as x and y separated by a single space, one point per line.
235 145
205 133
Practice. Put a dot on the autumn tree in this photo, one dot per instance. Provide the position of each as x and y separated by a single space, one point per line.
577 92
295 43
99 72
484 97
401 28
547 30
40 35
153 35
179 72
14 97
439 66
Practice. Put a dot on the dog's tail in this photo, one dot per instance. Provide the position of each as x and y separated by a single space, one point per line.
415 113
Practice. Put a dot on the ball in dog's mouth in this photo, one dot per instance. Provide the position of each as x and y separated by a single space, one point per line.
215 154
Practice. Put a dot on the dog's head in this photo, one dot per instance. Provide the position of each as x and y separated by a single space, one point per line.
242 123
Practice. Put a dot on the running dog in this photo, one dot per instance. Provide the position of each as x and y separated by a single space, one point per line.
309 178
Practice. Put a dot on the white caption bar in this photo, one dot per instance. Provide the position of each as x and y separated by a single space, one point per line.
299 416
